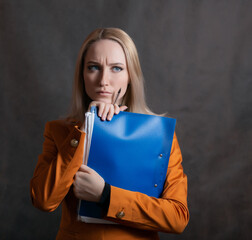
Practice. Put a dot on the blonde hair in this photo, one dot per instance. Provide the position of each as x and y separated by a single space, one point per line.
134 97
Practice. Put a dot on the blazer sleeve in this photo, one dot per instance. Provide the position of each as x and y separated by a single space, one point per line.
56 166
169 213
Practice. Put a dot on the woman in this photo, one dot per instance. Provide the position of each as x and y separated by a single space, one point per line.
108 75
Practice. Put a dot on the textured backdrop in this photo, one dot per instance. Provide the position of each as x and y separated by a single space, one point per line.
197 62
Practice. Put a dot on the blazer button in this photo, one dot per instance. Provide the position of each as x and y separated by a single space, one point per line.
74 142
120 214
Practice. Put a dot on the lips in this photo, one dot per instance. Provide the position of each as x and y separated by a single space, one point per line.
105 93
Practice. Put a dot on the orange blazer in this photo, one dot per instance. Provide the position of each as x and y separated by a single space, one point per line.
139 216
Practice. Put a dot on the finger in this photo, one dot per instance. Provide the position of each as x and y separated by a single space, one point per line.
105 112
101 109
123 108
92 104
77 177
110 113
85 168
116 109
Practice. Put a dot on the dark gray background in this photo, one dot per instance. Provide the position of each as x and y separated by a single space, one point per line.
197 61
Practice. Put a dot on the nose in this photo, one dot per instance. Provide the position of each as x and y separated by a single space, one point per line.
104 78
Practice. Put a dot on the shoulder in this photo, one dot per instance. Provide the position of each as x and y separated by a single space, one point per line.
61 125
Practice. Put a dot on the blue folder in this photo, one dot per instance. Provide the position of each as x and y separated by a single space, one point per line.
131 152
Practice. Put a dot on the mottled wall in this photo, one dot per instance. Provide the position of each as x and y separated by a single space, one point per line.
197 61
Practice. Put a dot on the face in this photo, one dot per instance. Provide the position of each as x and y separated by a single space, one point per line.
105 71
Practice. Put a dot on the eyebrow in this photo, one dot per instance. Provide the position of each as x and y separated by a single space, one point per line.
111 64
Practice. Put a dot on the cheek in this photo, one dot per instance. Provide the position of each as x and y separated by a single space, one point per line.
88 86
88 81
123 84
123 80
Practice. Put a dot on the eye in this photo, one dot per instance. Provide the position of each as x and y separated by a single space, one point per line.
93 67
117 69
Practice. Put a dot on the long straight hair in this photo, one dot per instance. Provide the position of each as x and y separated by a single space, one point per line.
134 97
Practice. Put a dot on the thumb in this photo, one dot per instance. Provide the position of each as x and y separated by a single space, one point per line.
92 104
85 168
123 108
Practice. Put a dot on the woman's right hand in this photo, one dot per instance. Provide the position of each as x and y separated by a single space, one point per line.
107 110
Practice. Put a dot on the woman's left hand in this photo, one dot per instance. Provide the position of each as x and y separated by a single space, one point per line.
88 184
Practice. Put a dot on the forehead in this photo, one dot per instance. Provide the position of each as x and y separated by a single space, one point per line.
106 49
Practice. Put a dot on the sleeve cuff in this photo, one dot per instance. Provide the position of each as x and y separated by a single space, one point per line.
105 198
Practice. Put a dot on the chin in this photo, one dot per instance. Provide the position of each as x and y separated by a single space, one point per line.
104 100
